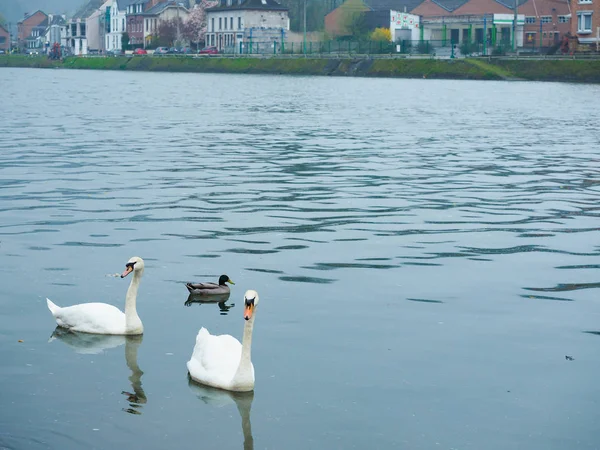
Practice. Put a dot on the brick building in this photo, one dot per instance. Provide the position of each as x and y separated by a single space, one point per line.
585 22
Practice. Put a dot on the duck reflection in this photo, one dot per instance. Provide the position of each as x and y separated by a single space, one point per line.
91 344
219 398
220 300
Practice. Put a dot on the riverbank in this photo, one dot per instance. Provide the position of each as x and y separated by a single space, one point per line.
582 71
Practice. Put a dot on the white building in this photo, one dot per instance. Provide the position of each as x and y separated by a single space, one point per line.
56 31
77 34
404 26
96 28
116 24
257 26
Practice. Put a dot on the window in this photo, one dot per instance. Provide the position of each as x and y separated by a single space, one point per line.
530 37
546 19
584 22
220 24
529 19
225 22
231 23
563 19
584 1
123 29
239 23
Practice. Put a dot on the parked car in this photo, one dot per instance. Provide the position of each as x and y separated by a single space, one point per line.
186 51
140 51
209 51
161 51
2 51
174 50
114 52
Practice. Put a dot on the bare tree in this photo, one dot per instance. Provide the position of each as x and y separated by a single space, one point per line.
167 31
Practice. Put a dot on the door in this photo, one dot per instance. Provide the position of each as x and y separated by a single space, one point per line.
454 36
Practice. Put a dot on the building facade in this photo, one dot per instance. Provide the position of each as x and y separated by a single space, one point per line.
4 39
32 24
585 21
115 24
135 21
240 26
160 12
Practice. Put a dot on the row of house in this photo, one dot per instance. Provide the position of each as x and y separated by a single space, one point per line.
525 23
100 25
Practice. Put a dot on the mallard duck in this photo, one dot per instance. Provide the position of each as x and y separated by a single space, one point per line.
221 361
210 288
102 318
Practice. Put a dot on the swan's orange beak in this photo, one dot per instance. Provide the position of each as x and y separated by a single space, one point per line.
248 310
128 270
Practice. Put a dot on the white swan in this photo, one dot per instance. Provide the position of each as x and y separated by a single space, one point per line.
102 318
221 361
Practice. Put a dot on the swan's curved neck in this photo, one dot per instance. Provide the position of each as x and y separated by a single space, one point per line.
244 371
132 320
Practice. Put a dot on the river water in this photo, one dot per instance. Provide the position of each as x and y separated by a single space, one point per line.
426 254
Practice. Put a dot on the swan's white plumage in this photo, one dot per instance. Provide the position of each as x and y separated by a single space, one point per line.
99 318
102 318
217 360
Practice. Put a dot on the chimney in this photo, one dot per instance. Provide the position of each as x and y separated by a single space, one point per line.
25 15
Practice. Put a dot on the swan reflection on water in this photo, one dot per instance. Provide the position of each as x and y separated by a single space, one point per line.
219 398
220 300
93 344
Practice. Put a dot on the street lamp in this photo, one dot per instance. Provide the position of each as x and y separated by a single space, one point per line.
515 27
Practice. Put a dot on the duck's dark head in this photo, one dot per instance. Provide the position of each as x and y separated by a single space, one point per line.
224 279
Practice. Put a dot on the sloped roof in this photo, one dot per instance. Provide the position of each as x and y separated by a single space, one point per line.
396 5
58 20
160 7
510 4
450 5
88 9
266 5
28 16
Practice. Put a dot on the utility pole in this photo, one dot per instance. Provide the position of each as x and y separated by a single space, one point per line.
305 27
178 38
515 27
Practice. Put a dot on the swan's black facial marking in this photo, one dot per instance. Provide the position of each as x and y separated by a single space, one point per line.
128 269
249 307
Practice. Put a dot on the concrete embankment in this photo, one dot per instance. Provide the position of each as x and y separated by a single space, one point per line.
583 71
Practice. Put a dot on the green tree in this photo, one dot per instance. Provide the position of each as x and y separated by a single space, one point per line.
316 10
356 26
125 41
